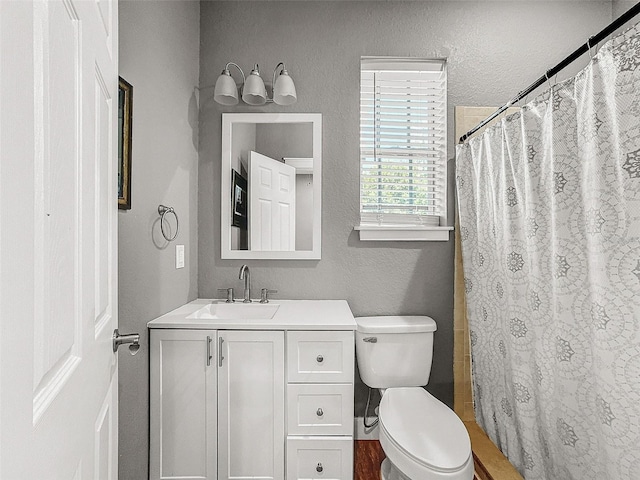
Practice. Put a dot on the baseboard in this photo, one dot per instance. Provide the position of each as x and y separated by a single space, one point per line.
362 433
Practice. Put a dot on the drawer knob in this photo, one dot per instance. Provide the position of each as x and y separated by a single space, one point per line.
319 359
319 468
319 412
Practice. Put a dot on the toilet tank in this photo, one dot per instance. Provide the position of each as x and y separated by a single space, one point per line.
395 351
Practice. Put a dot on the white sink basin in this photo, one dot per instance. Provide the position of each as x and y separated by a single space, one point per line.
236 311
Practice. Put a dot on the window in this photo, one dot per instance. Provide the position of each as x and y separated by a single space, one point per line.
403 149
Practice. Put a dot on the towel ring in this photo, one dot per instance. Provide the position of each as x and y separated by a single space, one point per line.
162 210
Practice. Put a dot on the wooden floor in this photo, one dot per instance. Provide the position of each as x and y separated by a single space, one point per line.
368 456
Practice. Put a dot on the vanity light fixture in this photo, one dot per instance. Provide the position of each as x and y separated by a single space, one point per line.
253 90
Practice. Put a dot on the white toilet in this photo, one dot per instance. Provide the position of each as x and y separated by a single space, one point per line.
422 438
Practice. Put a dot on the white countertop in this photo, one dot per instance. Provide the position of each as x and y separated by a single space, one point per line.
291 315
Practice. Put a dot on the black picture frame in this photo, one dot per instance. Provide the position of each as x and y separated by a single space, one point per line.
125 108
239 201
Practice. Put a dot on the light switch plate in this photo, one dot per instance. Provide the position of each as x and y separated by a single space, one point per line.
179 256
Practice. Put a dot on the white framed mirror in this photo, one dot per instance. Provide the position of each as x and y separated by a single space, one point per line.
271 186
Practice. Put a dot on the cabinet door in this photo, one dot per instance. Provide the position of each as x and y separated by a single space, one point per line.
320 357
326 458
182 404
320 409
251 435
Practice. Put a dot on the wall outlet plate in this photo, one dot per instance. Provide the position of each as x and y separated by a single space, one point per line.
179 256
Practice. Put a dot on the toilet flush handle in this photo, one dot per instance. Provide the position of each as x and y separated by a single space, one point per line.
370 339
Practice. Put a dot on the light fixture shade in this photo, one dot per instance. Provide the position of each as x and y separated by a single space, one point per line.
254 91
226 91
284 91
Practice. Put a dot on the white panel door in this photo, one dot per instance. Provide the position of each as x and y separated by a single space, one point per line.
251 437
58 304
272 204
183 410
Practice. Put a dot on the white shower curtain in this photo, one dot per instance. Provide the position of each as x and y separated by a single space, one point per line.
549 203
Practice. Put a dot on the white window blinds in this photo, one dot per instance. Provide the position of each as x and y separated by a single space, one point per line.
403 141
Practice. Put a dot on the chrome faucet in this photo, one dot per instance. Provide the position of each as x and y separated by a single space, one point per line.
246 276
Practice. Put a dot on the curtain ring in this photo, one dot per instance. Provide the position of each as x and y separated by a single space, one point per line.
546 75
589 47
162 211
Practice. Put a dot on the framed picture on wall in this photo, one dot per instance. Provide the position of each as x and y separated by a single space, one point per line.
125 99
239 201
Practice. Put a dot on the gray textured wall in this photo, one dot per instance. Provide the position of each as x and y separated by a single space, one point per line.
494 49
621 6
159 56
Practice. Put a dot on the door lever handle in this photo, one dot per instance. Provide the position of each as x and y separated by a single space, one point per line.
133 339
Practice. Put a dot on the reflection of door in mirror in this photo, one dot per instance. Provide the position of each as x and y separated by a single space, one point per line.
289 146
272 207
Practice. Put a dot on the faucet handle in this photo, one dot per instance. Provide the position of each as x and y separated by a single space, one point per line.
229 292
264 295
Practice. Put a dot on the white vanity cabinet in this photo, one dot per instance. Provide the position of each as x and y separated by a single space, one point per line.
183 404
270 400
251 405
320 369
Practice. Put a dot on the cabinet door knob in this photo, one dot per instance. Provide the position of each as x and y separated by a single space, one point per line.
319 359
319 468
319 412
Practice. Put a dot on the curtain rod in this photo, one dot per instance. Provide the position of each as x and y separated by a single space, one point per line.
593 40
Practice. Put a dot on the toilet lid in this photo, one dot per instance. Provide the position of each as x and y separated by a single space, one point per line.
396 324
425 428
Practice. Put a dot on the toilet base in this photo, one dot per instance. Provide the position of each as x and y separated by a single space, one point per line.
389 472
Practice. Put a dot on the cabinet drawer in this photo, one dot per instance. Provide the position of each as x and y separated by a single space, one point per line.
317 357
324 409
320 458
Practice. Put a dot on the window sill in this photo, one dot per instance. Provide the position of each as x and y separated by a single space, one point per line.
403 233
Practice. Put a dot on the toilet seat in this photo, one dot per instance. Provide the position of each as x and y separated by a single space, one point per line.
420 434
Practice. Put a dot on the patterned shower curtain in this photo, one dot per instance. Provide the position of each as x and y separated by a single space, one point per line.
549 204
